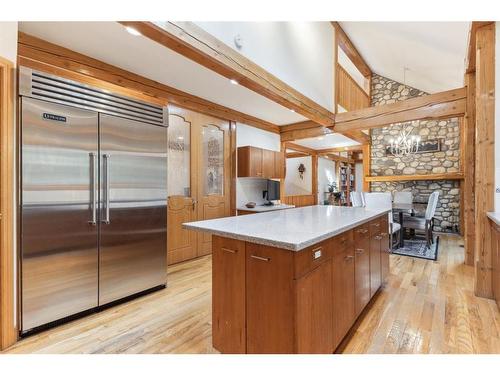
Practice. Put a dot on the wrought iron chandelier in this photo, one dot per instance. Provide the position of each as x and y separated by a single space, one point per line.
405 143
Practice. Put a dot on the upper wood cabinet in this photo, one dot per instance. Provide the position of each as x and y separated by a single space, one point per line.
258 162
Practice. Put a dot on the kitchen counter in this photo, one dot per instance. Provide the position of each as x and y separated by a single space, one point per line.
262 208
292 229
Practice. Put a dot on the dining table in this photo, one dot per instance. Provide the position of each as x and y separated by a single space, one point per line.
401 209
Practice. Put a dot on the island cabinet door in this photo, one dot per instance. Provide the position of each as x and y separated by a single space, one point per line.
385 248
270 300
362 267
228 295
344 312
314 315
375 266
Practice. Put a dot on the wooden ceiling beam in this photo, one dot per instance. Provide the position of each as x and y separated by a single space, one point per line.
350 50
339 149
300 148
290 155
307 132
39 54
444 104
193 42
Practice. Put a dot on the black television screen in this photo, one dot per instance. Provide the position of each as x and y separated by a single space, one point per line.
273 190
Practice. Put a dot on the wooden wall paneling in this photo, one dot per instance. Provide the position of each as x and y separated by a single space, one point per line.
8 324
299 200
191 41
351 96
444 104
485 154
468 161
39 54
366 166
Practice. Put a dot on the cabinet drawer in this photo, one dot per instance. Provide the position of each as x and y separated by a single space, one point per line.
311 257
343 241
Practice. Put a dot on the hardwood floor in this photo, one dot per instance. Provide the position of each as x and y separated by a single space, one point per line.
426 307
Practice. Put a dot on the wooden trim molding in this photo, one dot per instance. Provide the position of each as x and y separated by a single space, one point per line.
484 156
193 42
48 57
8 330
350 50
416 177
471 52
444 104
366 166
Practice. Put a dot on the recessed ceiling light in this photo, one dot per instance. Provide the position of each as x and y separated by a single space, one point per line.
132 31
233 81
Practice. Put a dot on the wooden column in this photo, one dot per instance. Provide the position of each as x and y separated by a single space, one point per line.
366 166
234 153
314 188
485 156
8 330
468 158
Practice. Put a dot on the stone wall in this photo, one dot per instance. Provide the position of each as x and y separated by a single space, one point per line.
447 160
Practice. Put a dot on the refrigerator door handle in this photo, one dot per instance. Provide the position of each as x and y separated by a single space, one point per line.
105 158
93 187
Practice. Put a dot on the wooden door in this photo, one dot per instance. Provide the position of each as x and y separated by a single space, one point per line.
198 180
270 288
343 291
181 243
314 316
228 295
375 271
213 168
279 165
268 164
385 248
362 267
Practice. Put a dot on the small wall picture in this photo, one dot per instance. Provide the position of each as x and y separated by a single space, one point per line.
424 147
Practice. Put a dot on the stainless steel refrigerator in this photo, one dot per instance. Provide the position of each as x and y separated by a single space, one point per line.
93 198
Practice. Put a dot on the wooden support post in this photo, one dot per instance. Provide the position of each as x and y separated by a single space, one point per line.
366 166
485 155
314 179
468 158
234 160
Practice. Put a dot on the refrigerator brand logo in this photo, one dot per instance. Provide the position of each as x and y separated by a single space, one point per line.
50 116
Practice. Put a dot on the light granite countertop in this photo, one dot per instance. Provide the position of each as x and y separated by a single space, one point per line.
292 229
262 208
495 216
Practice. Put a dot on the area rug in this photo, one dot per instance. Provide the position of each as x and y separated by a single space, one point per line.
416 247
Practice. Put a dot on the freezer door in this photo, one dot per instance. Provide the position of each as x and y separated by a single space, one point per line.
59 269
132 255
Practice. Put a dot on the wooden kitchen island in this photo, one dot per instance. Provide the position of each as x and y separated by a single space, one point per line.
294 281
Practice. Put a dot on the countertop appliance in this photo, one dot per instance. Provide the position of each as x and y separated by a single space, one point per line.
93 185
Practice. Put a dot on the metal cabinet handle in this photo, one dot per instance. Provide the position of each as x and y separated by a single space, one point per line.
360 251
363 231
383 234
260 258
377 237
105 159
193 203
348 258
229 250
93 186
376 224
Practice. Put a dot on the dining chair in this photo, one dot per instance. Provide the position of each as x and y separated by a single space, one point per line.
384 200
426 223
403 197
356 199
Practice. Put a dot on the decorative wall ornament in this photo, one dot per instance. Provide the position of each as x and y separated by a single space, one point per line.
301 169
433 145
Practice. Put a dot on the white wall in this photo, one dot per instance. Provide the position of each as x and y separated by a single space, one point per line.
298 53
8 41
294 185
326 175
497 116
8 50
250 189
